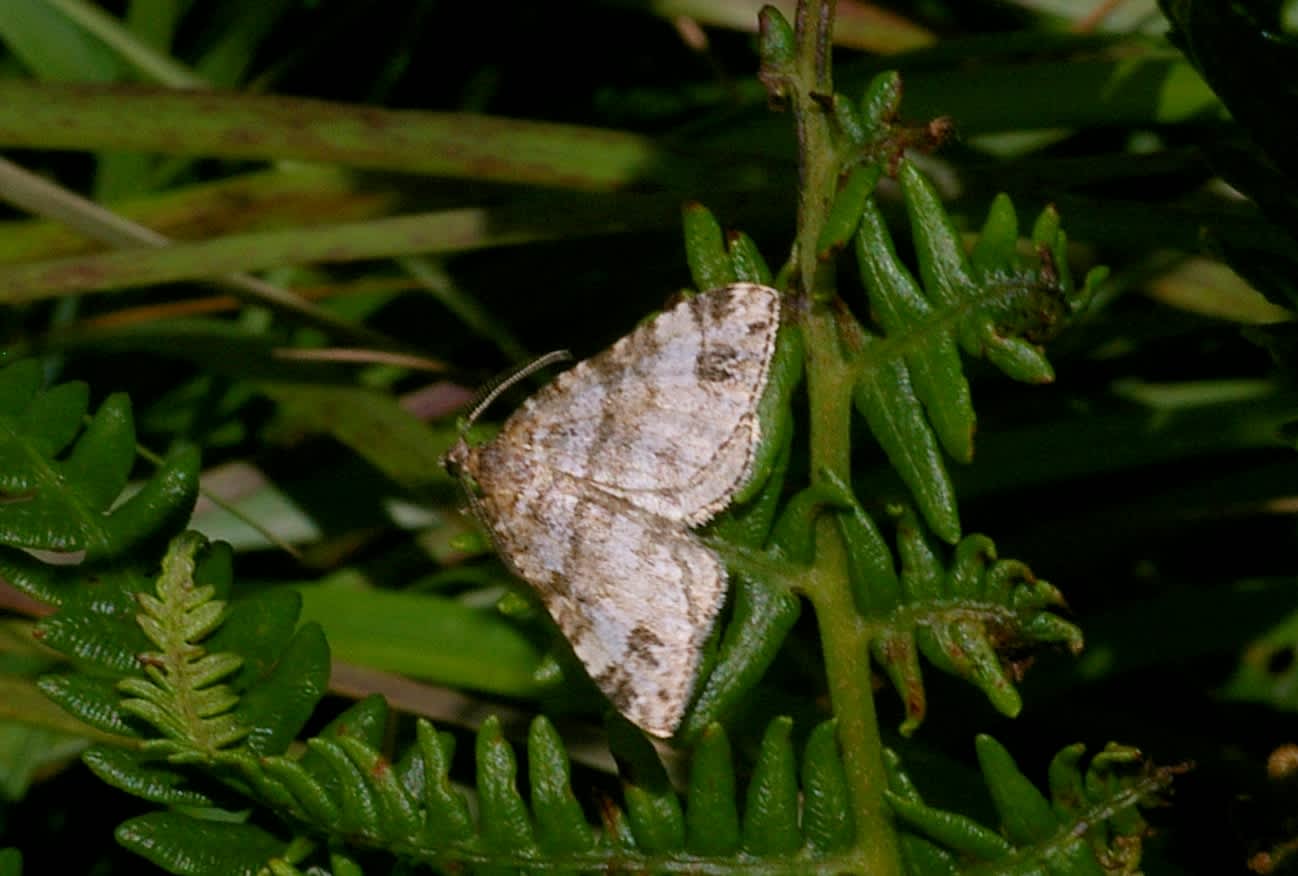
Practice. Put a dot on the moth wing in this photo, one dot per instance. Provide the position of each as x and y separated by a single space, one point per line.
666 417
637 601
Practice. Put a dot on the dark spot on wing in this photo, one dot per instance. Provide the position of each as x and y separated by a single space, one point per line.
713 364
642 642
618 685
719 307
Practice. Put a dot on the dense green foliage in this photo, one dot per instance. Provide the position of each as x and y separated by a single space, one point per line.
208 683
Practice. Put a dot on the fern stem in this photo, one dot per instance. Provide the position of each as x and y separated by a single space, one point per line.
846 646
829 383
812 88
845 637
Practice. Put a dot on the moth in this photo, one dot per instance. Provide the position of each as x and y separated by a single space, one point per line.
593 487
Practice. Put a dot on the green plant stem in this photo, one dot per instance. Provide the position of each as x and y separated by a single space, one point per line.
817 164
829 383
845 638
847 665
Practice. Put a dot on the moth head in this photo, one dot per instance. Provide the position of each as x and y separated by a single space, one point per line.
455 462
460 461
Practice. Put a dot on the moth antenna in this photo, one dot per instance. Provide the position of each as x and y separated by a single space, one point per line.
488 394
492 390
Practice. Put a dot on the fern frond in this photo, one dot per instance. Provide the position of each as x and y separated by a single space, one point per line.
969 615
346 789
417 813
412 810
184 694
63 488
222 674
188 695
61 482
992 303
972 614
1090 824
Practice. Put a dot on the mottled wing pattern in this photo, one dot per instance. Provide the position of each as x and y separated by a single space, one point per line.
666 417
635 595
640 643
590 487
